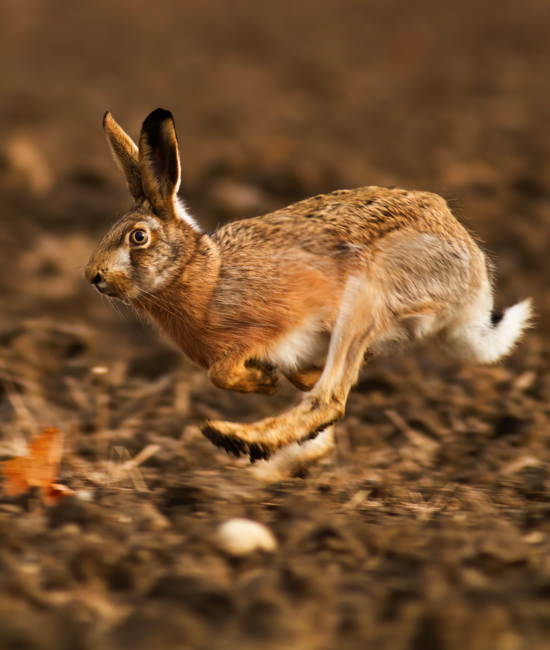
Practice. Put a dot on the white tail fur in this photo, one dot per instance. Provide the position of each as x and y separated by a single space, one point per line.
482 342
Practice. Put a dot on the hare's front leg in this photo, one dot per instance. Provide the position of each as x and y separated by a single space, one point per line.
306 379
243 375
361 318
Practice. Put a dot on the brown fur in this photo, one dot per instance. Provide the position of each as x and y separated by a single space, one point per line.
125 154
305 380
356 269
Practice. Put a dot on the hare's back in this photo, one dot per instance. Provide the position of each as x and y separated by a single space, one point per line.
410 242
360 216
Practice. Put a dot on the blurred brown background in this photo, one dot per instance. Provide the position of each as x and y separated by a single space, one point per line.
429 527
273 101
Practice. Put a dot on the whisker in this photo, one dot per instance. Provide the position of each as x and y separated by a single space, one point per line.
161 304
116 309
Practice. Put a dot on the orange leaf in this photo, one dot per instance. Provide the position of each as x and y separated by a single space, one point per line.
37 469
15 476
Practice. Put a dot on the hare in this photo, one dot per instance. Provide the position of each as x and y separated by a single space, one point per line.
309 292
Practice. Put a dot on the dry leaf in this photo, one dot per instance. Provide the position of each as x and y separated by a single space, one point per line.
38 468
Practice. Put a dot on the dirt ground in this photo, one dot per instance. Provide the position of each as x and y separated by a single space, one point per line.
429 528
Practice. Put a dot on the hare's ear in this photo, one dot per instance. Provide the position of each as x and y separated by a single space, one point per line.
125 154
159 162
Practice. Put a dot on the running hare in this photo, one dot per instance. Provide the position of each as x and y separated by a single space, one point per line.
310 291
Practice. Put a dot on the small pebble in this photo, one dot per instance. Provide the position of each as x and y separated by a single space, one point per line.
238 537
534 537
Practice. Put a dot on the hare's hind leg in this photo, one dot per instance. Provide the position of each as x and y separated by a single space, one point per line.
362 316
295 459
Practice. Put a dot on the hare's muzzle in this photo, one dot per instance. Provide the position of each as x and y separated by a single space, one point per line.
96 279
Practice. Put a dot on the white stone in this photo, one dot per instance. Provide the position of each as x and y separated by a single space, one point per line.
238 537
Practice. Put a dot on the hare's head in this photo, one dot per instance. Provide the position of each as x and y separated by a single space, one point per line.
150 244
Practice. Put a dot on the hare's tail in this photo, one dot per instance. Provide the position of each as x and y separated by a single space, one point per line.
493 336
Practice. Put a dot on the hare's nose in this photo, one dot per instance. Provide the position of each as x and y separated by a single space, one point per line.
96 279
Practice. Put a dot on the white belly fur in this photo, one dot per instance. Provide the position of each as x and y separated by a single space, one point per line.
299 349
307 347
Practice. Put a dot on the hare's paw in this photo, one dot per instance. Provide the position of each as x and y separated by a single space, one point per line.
232 437
261 379
262 439
295 459
248 377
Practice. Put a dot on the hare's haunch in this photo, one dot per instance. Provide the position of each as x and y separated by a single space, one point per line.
309 292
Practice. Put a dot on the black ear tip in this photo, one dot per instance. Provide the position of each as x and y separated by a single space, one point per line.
107 113
157 116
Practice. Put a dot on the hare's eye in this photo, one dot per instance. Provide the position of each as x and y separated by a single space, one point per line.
139 237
